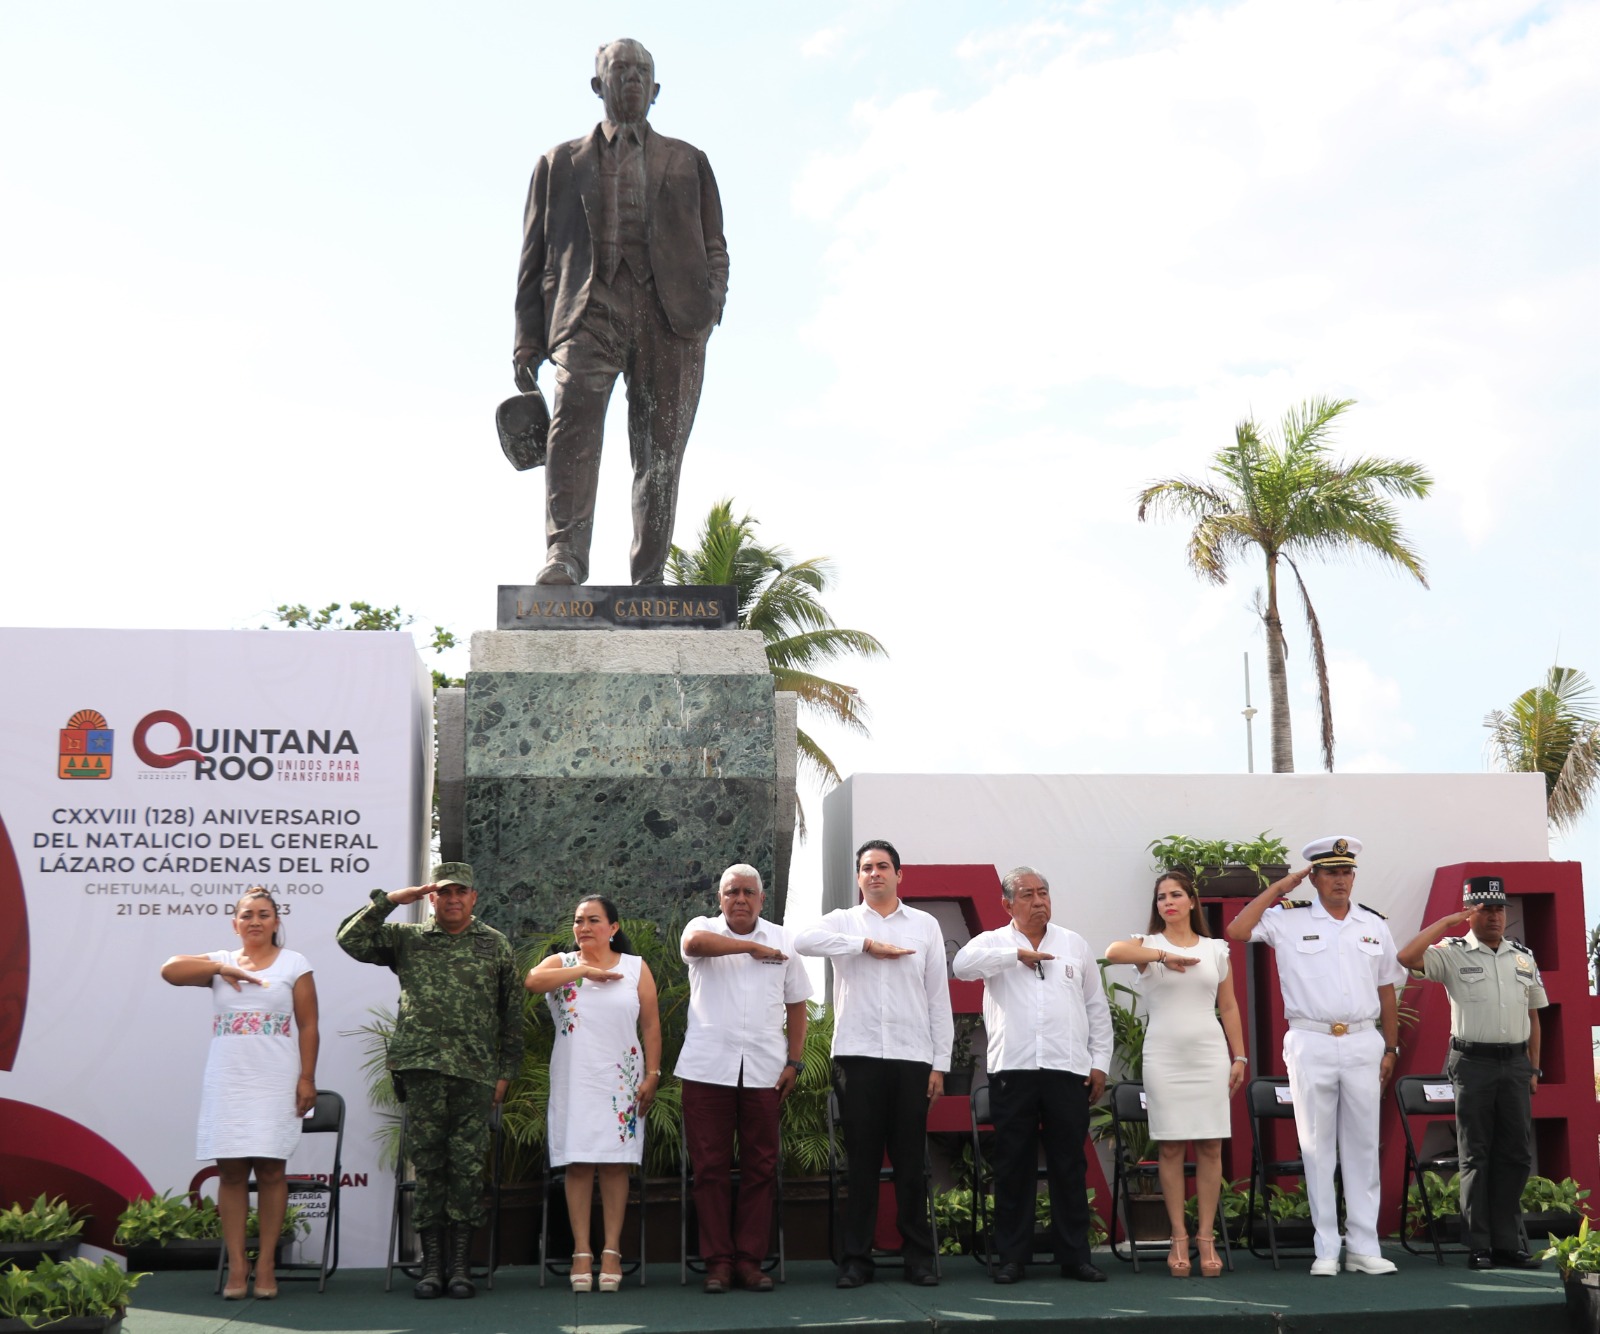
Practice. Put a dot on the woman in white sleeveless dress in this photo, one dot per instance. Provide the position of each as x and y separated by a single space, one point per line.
1188 1072
260 1080
605 1069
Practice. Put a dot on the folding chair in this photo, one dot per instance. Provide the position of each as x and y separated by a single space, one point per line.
1430 1096
327 1118
555 1179
1269 1103
1128 1109
836 1173
690 1258
405 1189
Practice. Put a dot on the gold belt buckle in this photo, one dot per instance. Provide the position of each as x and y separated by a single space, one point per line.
1338 1030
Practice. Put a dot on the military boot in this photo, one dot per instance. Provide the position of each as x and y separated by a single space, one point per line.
461 1284
431 1283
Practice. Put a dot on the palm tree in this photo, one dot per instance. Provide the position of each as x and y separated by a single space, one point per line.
1552 730
1291 500
777 596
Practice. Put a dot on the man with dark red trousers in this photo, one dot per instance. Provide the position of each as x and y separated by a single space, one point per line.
740 1059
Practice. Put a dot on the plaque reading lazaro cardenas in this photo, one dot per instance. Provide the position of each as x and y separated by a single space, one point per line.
630 607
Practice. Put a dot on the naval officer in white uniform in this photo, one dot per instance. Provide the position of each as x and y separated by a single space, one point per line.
1337 969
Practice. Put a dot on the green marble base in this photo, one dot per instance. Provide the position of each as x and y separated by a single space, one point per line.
642 786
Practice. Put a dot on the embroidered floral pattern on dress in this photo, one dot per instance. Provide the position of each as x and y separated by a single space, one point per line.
625 1102
564 1000
252 1023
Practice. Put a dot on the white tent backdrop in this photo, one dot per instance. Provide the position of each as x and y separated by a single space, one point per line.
1087 834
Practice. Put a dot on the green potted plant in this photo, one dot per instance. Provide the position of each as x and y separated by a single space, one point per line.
169 1232
1552 1208
1578 1259
62 1296
1222 868
45 1229
963 1061
1443 1197
1233 1208
1147 1210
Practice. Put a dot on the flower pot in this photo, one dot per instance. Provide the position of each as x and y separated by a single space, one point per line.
958 1083
27 1254
179 1253
1583 1302
109 1324
1237 882
1554 1223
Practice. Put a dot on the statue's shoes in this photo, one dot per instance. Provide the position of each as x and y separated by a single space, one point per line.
557 572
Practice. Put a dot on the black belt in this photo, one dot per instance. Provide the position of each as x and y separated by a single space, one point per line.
1499 1051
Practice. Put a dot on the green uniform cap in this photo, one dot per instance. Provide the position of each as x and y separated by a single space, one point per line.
452 873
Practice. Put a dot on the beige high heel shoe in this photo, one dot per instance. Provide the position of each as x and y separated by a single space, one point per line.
1210 1261
583 1282
610 1282
1178 1257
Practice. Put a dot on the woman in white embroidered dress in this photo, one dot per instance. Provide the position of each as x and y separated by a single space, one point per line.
260 1080
602 1077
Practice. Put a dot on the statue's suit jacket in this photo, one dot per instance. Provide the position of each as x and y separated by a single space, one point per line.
688 255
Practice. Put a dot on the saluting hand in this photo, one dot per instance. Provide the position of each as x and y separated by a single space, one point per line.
1178 962
767 954
882 949
1291 882
410 894
1031 958
232 974
593 972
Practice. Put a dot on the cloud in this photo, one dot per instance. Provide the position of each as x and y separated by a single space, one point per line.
824 42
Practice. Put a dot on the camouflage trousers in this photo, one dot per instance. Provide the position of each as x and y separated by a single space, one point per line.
447 1141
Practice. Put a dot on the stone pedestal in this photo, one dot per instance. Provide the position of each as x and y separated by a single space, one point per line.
634 764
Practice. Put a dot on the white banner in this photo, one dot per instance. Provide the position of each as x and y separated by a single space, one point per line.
146 779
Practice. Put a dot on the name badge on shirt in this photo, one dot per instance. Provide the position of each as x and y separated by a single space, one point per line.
1067 969
1475 968
1310 937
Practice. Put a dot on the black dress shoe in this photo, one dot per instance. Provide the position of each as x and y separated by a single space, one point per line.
1480 1260
1084 1273
920 1277
852 1276
1516 1260
1010 1273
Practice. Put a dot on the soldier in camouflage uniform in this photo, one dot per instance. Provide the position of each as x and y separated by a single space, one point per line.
1495 998
456 1044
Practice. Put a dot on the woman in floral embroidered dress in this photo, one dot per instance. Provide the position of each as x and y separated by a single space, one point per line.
603 1078
261 1075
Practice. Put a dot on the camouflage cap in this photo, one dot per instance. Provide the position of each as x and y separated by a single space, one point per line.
452 873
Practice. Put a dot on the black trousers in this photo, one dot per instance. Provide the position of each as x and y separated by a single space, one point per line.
1034 1107
885 1107
1494 1138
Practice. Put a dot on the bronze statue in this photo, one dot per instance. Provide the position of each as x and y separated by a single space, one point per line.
624 271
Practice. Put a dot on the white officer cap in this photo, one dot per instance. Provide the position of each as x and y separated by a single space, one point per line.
1336 850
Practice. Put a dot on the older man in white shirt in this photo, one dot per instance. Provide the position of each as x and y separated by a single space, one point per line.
892 1031
740 1059
1049 1033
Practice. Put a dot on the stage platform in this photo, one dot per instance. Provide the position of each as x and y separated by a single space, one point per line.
1422 1296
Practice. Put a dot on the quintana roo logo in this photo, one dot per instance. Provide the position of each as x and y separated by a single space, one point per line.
85 746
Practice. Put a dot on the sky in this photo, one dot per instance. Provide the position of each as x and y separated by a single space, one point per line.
994 267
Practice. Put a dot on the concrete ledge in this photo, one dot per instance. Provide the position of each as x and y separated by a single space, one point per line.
681 652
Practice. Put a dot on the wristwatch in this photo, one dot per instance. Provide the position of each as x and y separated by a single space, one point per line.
797 1066
1538 1073
1391 1051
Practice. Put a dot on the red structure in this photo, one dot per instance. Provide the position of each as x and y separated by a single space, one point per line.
1566 1116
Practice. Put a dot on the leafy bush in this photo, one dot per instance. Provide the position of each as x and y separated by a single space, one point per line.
1232 1204
156 1219
1543 1196
1443 1196
58 1291
954 1213
1577 1254
1177 852
45 1220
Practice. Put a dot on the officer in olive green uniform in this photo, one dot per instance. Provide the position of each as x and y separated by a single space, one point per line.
1495 999
456 1044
